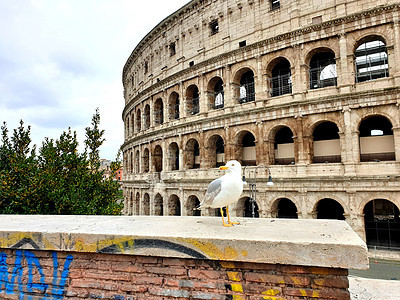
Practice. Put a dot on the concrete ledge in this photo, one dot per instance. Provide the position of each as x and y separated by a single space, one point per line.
322 243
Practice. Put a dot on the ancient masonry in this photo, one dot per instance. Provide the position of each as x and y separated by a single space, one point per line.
304 90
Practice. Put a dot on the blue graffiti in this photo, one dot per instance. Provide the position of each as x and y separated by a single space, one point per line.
16 282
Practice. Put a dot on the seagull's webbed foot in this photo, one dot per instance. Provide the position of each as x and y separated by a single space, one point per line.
229 219
223 221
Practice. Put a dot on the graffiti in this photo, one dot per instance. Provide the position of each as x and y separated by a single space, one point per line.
26 264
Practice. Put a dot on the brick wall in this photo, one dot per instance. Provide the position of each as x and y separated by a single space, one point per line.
30 274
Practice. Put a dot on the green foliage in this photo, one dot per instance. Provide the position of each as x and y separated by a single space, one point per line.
57 180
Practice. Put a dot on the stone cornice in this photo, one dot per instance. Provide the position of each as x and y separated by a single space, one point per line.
255 46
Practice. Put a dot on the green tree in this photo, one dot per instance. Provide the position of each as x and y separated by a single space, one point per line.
57 180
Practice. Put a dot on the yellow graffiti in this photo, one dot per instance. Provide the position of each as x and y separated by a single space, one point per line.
244 253
228 264
271 292
296 280
15 238
213 251
237 287
303 292
234 276
237 297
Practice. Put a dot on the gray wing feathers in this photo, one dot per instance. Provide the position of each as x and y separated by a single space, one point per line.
213 190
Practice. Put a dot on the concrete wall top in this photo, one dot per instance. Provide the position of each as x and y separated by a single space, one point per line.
324 243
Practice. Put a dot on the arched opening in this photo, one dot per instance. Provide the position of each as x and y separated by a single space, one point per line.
127 127
157 158
382 224
246 87
130 205
250 208
158 205
146 160
132 124
249 150
330 209
137 204
131 160
146 117
146 204
322 70
137 162
174 206
138 120
371 59
193 100
216 92
159 111
286 209
173 106
192 154
173 157
280 82
192 203
376 139
326 143
284 146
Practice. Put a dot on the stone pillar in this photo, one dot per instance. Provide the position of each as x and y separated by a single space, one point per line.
396 137
229 93
344 73
395 67
258 81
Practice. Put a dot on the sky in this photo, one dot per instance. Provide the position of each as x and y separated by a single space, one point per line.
62 59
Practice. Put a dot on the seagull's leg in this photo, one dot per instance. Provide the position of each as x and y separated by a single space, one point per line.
229 220
223 221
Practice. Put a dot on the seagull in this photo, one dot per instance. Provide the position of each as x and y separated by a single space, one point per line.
225 190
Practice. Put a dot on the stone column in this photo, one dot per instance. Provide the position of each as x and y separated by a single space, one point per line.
396 137
344 77
229 93
395 67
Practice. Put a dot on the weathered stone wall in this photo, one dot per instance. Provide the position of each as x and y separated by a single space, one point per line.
155 180
120 257
69 275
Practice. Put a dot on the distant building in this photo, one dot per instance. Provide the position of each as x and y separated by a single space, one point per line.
310 89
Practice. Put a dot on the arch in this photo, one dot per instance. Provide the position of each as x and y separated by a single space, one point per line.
250 208
246 141
173 157
146 160
283 146
137 204
216 151
382 223
158 158
371 58
130 205
192 203
192 154
138 120
215 90
174 205
146 117
173 106
159 111
326 143
284 208
280 77
146 204
376 139
137 162
193 100
244 79
322 68
329 209
158 205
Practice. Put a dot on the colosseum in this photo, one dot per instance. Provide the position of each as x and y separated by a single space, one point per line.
302 92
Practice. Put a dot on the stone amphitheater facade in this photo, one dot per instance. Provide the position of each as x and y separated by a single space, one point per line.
306 91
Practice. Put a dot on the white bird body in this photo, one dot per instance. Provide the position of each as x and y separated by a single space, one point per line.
230 191
225 190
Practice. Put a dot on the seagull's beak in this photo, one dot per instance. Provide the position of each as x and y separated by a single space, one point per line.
223 168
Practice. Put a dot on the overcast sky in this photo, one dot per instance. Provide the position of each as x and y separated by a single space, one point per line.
61 59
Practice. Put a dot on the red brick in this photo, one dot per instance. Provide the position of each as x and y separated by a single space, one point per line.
262 277
147 280
208 274
336 282
167 271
